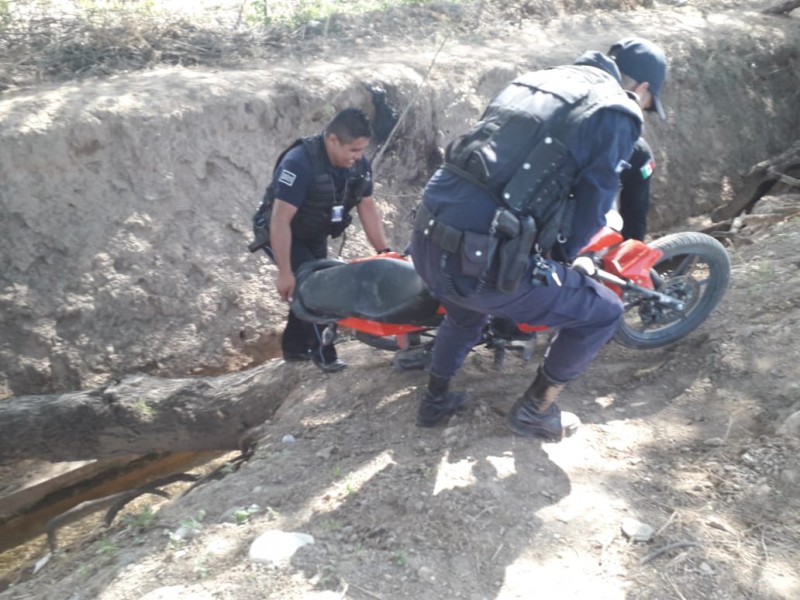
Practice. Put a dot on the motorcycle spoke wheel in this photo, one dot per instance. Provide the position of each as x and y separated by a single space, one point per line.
694 269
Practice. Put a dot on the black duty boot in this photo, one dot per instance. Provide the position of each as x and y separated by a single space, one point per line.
438 404
537 415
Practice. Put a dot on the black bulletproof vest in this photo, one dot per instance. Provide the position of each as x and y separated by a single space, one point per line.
313 219
518 151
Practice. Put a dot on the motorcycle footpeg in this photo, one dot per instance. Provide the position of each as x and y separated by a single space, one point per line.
499 354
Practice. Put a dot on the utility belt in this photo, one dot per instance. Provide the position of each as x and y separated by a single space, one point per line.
447 238
507 246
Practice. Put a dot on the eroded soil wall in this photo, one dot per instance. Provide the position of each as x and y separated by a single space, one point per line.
126 202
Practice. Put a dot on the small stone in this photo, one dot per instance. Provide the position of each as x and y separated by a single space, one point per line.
604 401
717 523
288 439
715 441
706 569
636 531
325 453
184 533
425 573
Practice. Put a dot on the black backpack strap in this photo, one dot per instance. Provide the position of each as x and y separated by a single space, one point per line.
261 218
315 146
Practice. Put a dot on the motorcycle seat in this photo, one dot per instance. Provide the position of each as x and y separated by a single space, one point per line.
385 290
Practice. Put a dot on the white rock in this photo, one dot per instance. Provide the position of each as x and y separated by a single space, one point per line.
288 439
277 547
184 533
636 531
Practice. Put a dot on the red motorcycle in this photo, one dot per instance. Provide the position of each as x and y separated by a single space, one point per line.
668 287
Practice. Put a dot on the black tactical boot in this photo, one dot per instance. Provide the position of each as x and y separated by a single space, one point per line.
536 413
438 404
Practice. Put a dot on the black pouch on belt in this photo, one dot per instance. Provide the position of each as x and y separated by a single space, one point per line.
513 256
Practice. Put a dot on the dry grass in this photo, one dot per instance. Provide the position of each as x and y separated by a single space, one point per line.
58 40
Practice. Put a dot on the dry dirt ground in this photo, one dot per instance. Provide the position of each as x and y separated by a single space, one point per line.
683 439
696 440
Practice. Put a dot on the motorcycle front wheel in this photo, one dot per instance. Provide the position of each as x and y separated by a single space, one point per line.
695 269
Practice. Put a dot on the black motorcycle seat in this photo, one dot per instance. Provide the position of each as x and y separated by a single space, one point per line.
386 290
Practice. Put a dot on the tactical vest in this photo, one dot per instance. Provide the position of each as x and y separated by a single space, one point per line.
313 219
518 151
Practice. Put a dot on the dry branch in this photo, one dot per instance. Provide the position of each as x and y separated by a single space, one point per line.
142 415
759 180
668 548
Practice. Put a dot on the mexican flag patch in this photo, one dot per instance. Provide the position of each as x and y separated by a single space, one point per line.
648 168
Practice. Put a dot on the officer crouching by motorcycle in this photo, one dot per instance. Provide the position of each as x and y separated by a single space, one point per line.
530 183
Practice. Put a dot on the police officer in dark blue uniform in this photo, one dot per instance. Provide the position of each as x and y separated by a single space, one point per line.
317 181
634 195
530 183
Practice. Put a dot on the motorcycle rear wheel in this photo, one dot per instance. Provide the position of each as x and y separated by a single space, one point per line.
695 268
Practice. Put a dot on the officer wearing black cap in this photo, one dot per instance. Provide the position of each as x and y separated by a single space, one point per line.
634 195
530 183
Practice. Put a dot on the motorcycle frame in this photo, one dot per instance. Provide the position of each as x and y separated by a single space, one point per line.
626 265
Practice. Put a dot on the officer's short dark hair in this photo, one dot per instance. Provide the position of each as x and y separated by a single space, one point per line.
350 124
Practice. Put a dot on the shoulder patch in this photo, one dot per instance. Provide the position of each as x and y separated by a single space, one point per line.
287 178
647 169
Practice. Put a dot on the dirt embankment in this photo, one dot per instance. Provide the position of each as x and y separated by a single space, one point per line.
126 206
127 200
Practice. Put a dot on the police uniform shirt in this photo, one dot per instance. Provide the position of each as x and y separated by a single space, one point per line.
600 148
294 176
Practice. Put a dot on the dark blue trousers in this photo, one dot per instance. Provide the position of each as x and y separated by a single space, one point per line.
301 336
584 312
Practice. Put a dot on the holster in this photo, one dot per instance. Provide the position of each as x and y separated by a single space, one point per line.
261 227
513 256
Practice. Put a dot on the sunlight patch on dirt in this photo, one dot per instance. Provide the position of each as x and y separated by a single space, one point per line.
451 475
503 465
530 576
335 495
780 578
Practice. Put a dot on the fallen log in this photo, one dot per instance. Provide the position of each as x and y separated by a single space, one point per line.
141 415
